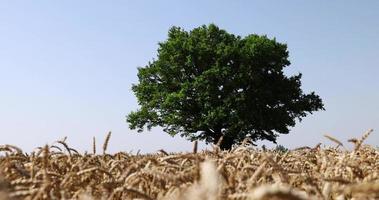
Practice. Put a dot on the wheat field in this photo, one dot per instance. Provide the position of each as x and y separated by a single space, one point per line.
58 171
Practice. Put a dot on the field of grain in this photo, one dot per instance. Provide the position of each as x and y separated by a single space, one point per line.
59 172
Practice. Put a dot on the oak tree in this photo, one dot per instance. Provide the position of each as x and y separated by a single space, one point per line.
207 83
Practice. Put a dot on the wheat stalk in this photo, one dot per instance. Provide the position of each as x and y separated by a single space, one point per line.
105 145
194 149
94 146
333 140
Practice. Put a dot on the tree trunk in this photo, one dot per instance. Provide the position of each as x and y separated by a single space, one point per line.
226 142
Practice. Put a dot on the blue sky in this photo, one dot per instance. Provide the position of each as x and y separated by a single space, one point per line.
66 67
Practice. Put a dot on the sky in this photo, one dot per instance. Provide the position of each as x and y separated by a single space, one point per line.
67 67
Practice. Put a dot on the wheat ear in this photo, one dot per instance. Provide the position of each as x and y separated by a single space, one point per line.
105 145
94 145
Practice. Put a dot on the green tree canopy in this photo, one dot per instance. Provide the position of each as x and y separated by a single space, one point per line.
208 83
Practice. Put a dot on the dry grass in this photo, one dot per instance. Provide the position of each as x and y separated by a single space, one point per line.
60 172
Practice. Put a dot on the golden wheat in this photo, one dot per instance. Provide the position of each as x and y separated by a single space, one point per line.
59 172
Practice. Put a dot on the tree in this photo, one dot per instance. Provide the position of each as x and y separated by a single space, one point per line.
208 83
281 149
